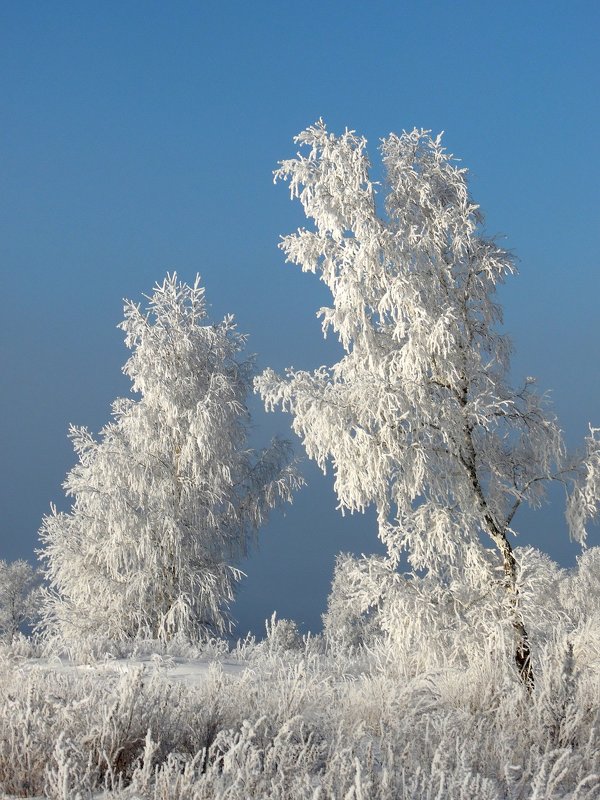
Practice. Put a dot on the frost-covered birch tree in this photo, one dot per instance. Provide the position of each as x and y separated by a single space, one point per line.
166 500
418 417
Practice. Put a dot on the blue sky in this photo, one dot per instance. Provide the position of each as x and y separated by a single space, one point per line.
140 137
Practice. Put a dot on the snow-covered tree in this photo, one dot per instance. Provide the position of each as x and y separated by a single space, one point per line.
19 596
168 497
418 417
583 504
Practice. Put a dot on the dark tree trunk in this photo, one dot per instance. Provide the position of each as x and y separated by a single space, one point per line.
498 535
522 649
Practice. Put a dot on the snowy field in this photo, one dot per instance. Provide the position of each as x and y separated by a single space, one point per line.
175 670
286 718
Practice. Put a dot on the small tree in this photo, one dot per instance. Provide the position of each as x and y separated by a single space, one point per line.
19 596
418 417
169 496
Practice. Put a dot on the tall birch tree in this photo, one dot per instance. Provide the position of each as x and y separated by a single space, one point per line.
167 499
418 417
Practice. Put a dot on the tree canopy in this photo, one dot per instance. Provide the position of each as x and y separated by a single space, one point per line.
167 499
418 418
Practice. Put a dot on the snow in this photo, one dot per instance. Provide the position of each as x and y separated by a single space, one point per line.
187 671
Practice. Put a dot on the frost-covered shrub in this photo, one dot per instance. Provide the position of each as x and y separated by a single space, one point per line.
19 597
431 624
580 598
301 726
351 620
580 589
422 622
449 621
282 635
98 722
539 583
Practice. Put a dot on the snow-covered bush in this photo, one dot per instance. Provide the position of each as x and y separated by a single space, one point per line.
19 597
580 590
299 727
540 581
351 620
169 497
425 623
422 622
98 722
282 635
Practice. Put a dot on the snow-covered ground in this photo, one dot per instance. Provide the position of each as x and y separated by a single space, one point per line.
304 723
188 671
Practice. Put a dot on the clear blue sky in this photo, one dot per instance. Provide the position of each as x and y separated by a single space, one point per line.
140 137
